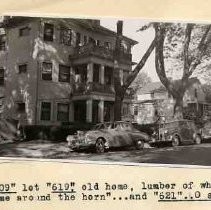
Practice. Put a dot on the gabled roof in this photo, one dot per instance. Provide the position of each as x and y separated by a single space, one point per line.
159 87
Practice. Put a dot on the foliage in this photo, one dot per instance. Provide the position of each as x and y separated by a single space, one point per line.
140 81
184 47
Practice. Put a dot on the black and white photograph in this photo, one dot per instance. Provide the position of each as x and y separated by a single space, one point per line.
105 89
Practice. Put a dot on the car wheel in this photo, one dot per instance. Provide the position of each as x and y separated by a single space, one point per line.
175 141
140 144
100 146
198 139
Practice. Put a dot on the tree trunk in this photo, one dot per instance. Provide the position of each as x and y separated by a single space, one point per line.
118 107
178 107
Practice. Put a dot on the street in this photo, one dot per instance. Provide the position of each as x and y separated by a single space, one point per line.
188 154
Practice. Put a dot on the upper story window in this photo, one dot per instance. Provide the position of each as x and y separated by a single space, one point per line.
78 39
1 76
24 31
22 68
85 39
107 45
66 36
48 32
96 73
2 42
47 71
64 73
98 42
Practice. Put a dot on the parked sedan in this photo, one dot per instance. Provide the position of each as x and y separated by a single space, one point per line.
108 135
206 131
177 132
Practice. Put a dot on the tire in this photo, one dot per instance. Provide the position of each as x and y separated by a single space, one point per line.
100 146
197 139
140 144
175 141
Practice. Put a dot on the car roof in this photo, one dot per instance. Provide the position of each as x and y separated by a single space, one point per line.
120 121
179 120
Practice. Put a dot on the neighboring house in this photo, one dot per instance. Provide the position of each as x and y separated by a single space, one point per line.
59 70
154 101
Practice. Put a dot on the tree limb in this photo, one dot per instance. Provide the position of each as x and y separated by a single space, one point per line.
139 66
186 67
202 47
160 34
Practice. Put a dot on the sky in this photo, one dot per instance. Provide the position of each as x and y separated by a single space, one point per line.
144 39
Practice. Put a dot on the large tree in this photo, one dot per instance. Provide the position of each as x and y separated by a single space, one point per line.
185 47
120 89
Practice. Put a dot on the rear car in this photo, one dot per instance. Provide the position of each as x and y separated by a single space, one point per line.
108 135
177 132
206 131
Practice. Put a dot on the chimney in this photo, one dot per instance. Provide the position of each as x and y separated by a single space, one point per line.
119 27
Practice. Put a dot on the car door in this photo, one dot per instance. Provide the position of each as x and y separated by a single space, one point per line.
124 134
118 138
113 135
186 131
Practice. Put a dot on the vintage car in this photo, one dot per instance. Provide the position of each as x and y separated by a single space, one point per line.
108 135
206 131
177 132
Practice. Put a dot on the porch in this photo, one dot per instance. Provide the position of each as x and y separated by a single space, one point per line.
93 111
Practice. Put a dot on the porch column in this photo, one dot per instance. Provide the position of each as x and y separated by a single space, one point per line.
71 113
89 110
101 111
90 72
102 74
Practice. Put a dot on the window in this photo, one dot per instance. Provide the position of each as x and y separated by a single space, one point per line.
24 31
48 32
108 75
63 112
78 39
2 42
1 105
21 107
64 73
85 40
66 36
46 71
22 68
98 42
135 110
107 45
96 73
1 76
46 111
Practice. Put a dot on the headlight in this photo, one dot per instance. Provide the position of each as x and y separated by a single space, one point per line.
165 132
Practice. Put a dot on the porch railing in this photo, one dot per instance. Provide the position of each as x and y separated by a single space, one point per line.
99 51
